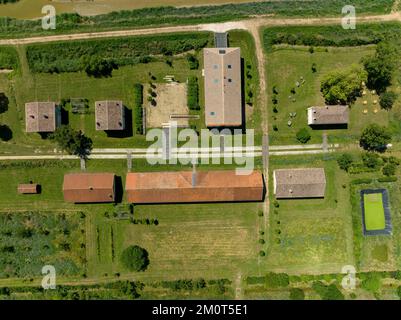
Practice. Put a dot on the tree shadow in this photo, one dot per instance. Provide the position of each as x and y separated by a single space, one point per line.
128 131
4 102
6 133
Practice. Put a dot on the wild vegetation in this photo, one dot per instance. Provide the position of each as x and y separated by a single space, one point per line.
193 93
8 58
106 54
190 15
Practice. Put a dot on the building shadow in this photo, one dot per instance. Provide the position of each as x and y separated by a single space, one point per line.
128 131
329 126
243 113
119 192
65 117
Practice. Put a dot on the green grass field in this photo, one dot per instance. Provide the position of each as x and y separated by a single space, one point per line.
286 66
374 211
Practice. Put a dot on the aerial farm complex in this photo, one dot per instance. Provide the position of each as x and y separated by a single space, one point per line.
182 153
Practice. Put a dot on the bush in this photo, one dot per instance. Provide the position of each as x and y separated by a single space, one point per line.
262 253
193 93
138 111
371 282
277 280
387 99
388 179
389 169
135 258
371 160
345 161
361 181
192 61
297 294
303 135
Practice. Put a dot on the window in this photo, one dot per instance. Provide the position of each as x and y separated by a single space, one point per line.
215 66
222 51
229 66
230 80
212 113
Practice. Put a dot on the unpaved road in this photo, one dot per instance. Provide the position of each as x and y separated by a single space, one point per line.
248 24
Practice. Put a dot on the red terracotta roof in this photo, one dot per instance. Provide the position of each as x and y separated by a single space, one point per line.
177 187
30 188
89 187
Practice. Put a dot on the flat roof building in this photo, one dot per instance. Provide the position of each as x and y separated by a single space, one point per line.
42 117
109 115
28 188
328 115
299 183
191 187
223 98
89 187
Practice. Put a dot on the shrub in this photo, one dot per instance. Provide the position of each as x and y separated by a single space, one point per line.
388 179
261 241
361 181
297 294
262 253
387 99
345 161
276 204
371 160
399 292
192 61
277 280
389 169
135 258
371 281
303 135
193 93
138 111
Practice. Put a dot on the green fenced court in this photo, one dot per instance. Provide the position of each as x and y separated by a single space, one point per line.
374 211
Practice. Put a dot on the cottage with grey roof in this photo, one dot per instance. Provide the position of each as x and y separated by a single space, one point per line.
109 115
328 115
42 117
223 99
299 183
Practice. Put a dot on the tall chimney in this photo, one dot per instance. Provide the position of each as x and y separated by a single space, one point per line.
193 174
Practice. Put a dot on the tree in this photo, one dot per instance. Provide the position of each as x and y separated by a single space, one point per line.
375 138
3 102
387 99
192 61
135 258
371 160
333 293
389 169
343 86
380 66
303 135
74 142
297 294
345 161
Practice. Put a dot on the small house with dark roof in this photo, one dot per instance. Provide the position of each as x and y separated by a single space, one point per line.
89 187
109 115
328 115
42 117
299 183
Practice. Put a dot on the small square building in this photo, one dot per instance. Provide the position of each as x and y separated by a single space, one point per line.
109 115
42 117
299 183
328 115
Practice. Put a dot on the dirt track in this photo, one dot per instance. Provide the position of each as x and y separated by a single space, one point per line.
244 24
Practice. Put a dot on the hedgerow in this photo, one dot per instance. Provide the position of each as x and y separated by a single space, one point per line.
331 36
138 111
193 93
70 56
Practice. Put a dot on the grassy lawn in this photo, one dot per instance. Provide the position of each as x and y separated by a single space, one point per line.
200 240
286 65
374 211
311 235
